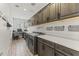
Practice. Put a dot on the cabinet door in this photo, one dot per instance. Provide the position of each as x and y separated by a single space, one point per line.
45 14
30 45
41 49
36 19
27 38
69 9
52 12
48 51
65 10
57 6
40 16
44 50
74 8
32 20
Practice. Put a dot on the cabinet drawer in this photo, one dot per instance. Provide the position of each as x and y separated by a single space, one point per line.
66 50
51 44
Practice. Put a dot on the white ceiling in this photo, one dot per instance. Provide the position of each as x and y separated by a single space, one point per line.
25 10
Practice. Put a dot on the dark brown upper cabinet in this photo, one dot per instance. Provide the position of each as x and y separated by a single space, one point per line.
65 10
45 14
33 21
40 16
75 9
52 12
55 12
36 19
69 10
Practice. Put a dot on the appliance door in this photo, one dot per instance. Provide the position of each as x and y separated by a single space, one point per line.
31 44
27 38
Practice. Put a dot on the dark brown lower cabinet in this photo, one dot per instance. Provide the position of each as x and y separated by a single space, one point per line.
49 51
47 48
31 45
44 50
66 51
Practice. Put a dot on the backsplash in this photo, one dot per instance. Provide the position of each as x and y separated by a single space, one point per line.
68 28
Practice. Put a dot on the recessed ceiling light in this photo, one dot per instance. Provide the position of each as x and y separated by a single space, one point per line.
24 9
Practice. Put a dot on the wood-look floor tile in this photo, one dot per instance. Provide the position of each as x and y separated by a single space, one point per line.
19 48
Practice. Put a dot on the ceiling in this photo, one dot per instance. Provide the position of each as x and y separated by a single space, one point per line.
25 10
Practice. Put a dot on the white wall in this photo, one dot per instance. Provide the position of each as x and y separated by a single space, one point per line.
18 23
5 33
64 34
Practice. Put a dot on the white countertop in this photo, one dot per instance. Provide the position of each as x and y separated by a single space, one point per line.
33 34
73 44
